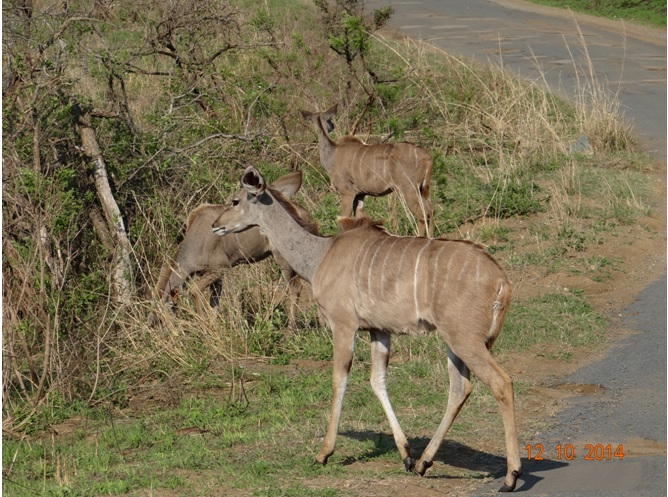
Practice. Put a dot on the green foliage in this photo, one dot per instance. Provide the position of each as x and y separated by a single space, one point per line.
560 321
193 103
352 41
650 12
263 20
514 198
382 16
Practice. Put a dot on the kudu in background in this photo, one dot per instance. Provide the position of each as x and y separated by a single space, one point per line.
356 169
365 278
207 256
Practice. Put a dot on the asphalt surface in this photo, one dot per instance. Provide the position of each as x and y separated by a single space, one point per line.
546 46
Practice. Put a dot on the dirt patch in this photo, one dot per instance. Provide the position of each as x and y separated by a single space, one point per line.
634 447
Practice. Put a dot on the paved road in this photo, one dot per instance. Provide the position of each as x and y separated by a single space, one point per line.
536 42
524 39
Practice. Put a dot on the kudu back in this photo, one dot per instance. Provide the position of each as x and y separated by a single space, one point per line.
205 257
365 278
357 169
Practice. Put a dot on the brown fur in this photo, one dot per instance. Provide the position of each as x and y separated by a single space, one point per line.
204 256
365 278
353 223
300 215
357 169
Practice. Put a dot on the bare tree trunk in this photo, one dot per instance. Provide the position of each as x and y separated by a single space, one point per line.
122 271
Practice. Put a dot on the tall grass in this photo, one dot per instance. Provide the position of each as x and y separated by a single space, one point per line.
598 108
500 150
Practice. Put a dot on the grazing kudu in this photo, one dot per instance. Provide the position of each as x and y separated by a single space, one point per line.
209 256
356 169
365 278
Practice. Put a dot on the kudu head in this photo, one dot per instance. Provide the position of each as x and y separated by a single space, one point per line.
323 119
239 213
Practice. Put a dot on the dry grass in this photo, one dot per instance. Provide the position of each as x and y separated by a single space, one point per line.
502 126
498 130
599 114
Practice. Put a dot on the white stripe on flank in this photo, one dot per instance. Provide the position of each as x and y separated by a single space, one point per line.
384 267
397 269
371 265
463 270
369 245
360 258
415 279
436 271
448 269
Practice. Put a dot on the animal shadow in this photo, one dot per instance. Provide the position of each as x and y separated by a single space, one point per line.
454 454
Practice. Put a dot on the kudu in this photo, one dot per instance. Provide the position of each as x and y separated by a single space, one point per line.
356 169
365 278
208 256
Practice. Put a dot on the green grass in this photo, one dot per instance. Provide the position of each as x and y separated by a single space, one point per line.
263 437
555 324
239 404
650 12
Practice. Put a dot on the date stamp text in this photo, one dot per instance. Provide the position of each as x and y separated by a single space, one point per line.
568 452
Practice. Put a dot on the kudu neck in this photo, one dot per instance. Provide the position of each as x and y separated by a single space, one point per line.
301 249
326 145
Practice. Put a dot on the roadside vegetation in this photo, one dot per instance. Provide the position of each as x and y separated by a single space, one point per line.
152 108
648 12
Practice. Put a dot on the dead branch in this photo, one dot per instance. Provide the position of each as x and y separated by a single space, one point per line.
121 279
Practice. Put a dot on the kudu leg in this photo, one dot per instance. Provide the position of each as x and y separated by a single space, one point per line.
482 364
420 207
178 277
380 356
159 292
358 205
344 342
460 389
174 281
428 216
205 281
294 289
348 203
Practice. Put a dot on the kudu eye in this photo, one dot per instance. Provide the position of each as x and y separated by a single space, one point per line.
235 202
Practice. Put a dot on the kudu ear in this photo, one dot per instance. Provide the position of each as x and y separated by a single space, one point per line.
289 184
327 117
253 181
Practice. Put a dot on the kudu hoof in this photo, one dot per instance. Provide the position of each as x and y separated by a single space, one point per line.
510 488
321 460
409 464
422 467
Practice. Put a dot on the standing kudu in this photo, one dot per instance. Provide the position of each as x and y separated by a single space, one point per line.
356 169
208 256
365 278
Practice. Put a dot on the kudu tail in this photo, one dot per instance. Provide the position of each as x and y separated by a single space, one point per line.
424 185
159 289
499 309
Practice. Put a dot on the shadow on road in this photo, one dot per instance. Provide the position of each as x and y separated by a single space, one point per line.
453 454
